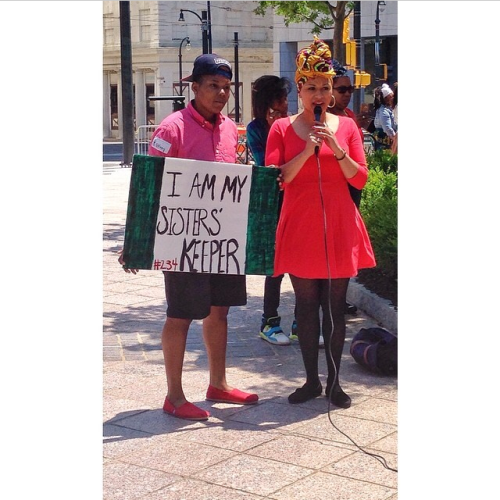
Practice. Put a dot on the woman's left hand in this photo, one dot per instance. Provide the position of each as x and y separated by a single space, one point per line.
326 134
280 181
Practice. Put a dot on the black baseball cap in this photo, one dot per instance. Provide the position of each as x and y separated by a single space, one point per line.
210 64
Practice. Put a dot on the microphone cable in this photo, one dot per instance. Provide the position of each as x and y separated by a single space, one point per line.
329 347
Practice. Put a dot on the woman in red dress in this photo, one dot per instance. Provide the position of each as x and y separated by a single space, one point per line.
321 240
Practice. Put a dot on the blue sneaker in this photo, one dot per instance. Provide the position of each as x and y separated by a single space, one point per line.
293 334
271 331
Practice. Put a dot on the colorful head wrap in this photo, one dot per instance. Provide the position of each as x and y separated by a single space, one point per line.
313 61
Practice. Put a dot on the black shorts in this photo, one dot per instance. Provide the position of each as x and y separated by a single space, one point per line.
190 295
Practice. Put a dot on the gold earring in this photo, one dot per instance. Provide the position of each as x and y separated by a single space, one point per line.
332 105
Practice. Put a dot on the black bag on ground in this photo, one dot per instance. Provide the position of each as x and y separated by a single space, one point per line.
376 349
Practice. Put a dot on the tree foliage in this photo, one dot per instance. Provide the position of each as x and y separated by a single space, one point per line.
322 15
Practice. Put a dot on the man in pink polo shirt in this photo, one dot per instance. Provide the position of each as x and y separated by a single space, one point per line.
200 132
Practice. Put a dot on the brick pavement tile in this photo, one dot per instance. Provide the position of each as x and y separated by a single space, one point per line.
386 444
320 486
113 357
110 340
118 441
301 451
232 435
273 415
127 481
254 475
363 467
170 455
115 410
117 379
133 356
123 299
121 287
112 352
376 409
362 432
199 490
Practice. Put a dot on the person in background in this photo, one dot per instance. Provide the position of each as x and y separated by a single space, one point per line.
200 132
342 91
364 117
321 239
269 102
394 145
385 126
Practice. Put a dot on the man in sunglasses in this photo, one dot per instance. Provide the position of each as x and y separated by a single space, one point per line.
341 97
342 92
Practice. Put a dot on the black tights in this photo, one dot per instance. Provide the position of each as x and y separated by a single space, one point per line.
311 295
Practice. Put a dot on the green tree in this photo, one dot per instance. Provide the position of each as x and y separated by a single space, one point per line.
322 15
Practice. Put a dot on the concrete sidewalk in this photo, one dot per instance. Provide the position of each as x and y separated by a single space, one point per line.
272 450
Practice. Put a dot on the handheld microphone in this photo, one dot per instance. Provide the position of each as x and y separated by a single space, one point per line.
317 113
317 116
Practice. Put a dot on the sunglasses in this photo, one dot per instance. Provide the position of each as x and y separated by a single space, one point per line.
343 89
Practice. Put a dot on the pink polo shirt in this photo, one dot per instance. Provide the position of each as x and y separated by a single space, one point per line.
186 134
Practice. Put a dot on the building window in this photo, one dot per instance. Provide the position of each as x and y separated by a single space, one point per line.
144 25
108 30
108 36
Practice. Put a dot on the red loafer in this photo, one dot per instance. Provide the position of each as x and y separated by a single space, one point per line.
233 396
187 411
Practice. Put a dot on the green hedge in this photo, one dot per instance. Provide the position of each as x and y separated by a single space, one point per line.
383 160
379 208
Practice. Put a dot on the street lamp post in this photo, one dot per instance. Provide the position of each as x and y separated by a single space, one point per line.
188 46
380 8
209 19
236 80
127 111
204 27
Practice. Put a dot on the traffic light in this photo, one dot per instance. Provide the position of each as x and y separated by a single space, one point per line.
383 68
345 31
361 79
350 45
381 72
350 53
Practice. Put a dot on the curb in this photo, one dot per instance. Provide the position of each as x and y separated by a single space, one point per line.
379 309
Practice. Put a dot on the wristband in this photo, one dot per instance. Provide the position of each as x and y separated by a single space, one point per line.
342 157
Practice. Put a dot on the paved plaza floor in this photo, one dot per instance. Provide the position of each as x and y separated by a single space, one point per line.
272 450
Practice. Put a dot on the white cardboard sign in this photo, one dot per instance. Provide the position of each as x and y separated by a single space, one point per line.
202 218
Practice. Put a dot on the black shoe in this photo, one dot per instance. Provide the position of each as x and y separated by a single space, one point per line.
339 397
305 393
350 308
